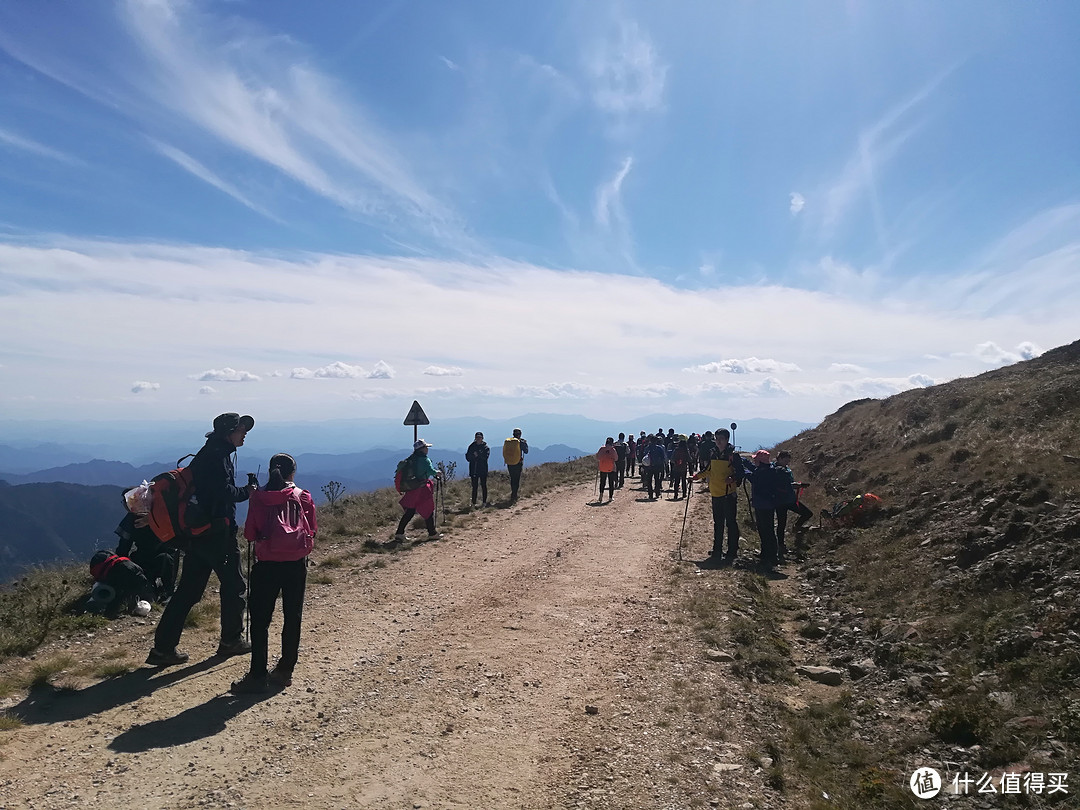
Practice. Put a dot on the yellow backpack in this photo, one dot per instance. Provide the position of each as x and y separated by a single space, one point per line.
512 451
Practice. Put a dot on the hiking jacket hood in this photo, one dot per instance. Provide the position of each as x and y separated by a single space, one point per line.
214 477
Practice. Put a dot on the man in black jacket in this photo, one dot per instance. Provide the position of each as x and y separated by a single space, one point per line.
477 455
213 474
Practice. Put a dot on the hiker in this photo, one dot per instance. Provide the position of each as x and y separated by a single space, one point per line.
418 498
692 452
765 483
652 465
621 449
723 469
788 501
705 448
631 455
157 560
514 450
126 585
477 455
217 551
607 457
679 465
281 523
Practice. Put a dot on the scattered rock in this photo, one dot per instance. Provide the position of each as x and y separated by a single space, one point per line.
825 675
719 656
860 669
590 709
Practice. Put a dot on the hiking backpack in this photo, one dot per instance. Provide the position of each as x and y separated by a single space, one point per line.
512 451
287 535
173 517
405 477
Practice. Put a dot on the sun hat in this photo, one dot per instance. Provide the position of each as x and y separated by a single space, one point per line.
760 455
420 443
228 422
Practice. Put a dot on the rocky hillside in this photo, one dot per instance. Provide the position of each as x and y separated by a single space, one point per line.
962 596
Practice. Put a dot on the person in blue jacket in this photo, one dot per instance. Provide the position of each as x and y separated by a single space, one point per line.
788 501
653 469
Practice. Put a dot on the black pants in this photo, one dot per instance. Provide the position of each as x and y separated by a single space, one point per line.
767 533
216 552
804 513
129 581
652 476
678 477
620 473
631 464
403 524
481 482
158 564
609 479
268 579
724 515
515 478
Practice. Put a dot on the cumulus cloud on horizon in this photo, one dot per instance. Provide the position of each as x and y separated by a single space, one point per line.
139 386
992 354
382 371
226 375
751 365
207 390
443 371
333 371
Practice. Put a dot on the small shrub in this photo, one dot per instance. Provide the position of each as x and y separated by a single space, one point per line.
205 614
42 672
8 721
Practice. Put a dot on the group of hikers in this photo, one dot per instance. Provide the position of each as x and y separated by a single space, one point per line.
198 517
680 458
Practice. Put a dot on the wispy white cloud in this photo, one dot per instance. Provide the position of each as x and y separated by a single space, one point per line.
141 385
846 368
8 138
876 145
443 371
226 375
796 203
188 163
626 73
207 390
751 365
450 63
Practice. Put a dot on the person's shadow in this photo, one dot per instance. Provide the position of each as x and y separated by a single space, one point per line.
196 723
47 704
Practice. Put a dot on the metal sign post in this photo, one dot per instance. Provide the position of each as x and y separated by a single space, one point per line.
416 416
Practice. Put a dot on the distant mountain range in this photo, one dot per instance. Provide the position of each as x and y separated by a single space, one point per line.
22 451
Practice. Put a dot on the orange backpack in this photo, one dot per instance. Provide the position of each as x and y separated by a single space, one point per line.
173 517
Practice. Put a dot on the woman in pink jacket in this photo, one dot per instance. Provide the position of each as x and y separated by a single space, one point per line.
281 523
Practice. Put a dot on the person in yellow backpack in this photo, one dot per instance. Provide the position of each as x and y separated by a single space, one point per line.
514 450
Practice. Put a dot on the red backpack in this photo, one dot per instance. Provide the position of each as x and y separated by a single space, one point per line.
278 525
173 517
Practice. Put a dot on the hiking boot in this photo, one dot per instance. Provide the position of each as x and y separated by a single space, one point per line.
231 648
401 536
169 658
434 535
248 685
279 676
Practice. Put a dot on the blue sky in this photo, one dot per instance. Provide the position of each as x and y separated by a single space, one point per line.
329 209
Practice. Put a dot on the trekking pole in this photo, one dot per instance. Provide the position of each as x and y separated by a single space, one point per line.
749 507
686 509
598 482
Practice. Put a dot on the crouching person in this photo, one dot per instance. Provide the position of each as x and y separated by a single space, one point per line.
118 584
281 523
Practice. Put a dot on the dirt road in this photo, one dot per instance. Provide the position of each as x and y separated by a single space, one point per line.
524 661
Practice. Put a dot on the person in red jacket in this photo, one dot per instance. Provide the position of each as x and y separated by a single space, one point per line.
281 523
606 458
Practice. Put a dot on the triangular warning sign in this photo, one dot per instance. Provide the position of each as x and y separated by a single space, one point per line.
416 415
